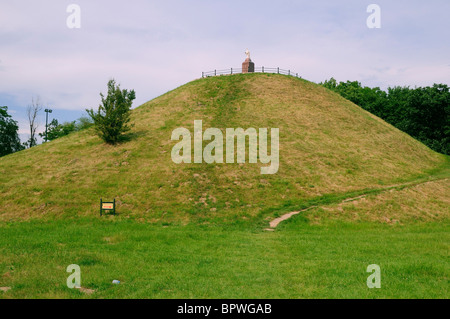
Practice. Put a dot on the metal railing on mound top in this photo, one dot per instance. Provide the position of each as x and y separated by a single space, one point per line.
257 70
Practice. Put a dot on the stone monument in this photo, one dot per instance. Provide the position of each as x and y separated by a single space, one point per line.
248 66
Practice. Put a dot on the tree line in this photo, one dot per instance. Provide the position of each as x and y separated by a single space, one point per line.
422 112
9 129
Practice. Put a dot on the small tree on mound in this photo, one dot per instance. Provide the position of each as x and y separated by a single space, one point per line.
113 115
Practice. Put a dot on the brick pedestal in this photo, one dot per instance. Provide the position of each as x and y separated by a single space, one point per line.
248 66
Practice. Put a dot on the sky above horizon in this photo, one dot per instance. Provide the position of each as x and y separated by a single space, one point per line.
156 46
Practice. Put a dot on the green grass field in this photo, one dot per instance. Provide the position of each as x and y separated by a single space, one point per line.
369 194
296 261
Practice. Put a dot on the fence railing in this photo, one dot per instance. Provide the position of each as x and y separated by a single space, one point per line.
258 70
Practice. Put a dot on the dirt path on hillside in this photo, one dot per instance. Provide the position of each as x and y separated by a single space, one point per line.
275 222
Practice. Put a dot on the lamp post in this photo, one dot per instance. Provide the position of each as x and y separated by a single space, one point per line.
46 122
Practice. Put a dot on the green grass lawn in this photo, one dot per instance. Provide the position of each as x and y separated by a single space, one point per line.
298 260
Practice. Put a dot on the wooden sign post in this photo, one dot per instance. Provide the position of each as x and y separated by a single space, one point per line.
107 206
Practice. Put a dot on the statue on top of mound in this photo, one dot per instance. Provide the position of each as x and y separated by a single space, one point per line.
247 53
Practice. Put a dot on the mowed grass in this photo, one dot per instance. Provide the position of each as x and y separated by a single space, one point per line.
298 261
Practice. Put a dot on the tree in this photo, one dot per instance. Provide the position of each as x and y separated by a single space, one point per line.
32 111
113 114
423 113
9 138
83 123
56 130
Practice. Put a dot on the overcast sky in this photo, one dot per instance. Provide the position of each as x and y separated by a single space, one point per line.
156 46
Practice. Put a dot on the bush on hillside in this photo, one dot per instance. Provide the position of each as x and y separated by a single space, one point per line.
113 115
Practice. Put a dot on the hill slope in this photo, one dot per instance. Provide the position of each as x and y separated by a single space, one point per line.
328 145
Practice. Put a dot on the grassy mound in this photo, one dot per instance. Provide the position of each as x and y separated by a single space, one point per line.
328 146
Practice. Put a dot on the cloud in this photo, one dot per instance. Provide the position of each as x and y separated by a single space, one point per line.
153 47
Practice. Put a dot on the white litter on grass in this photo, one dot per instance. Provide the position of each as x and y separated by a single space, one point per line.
116 282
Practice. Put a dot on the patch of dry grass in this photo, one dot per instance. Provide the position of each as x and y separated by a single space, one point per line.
425 202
